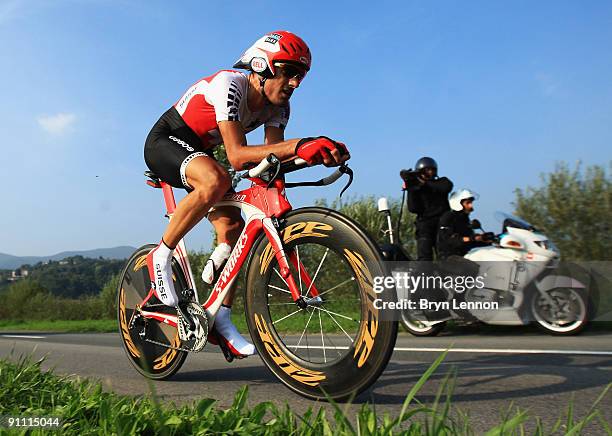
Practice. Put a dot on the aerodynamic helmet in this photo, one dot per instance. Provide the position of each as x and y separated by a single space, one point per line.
275 47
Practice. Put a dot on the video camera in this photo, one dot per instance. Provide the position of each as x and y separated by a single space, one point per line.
410 177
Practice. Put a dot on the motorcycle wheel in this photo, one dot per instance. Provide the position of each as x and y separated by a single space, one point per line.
418 328
568 317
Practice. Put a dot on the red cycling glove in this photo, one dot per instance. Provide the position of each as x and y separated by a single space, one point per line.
312 150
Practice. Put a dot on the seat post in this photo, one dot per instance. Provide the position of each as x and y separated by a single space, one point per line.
168 198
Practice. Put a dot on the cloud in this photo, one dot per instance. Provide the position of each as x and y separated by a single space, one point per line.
58 123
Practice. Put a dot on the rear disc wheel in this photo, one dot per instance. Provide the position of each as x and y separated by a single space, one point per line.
149 359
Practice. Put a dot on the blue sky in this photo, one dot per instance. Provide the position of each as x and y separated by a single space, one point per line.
497 92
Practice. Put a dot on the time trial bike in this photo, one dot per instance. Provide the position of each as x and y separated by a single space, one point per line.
309 298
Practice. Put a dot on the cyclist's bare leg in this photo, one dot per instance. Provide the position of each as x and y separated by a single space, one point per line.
210 181
228 224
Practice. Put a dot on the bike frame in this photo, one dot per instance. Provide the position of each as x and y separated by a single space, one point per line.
262 204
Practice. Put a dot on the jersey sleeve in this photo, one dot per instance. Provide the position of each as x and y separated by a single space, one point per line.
225 93
279 117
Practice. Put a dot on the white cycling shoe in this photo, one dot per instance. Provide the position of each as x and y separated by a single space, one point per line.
227 333
215 262
159 263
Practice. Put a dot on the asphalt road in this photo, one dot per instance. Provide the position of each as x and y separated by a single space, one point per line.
536 372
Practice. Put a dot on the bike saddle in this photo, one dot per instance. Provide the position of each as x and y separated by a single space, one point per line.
154 179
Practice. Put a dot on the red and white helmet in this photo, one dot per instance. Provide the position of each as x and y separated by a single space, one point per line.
279 46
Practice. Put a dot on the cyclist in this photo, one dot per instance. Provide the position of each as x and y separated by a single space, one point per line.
222 108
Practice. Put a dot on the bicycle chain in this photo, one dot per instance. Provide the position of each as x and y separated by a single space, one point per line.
167 345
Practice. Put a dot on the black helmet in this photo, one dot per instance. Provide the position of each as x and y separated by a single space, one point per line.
425 162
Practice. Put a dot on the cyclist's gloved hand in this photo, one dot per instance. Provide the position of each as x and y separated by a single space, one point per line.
322 150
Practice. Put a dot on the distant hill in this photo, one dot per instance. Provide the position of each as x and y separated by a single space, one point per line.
8 261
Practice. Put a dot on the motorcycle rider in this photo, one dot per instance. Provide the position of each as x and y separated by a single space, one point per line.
428 199
456 234
217 109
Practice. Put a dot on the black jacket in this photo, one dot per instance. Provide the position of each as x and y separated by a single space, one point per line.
453 227
430 199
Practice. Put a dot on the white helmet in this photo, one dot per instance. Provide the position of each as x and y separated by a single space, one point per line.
457 197
278 46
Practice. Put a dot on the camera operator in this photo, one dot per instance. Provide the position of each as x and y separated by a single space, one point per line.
456 235
428 199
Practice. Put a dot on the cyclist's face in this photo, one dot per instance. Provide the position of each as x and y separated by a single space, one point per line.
287 78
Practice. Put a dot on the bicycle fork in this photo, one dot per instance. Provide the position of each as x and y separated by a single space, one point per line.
285 271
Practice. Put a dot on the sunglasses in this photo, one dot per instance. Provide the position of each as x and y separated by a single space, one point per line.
291 71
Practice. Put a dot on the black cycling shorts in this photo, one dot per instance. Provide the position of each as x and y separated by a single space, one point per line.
170 146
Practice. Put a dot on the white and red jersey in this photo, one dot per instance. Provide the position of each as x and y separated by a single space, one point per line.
223 97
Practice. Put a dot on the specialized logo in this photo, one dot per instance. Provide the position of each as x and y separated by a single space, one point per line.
231 262
235 197
303 375
181 143
258 65
292 232
187 96
365 341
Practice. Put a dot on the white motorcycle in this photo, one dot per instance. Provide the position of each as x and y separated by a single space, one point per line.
520 284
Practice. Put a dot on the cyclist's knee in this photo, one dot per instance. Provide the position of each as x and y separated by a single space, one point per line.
231 224
206 175
211 188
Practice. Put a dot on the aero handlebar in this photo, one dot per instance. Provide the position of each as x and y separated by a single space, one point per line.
293 165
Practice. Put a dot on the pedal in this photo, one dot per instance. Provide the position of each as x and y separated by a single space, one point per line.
189 294
193 340
216 339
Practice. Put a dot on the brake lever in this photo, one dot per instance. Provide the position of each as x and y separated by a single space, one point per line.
346 170
276 171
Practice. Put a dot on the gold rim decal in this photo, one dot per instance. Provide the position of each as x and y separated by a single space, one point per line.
124 328
303 375
140 263
166 358
292 232
365 341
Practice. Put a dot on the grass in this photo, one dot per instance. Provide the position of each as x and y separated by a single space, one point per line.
85 408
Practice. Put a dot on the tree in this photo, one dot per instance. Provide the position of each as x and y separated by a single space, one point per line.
364 210
221 155
574 209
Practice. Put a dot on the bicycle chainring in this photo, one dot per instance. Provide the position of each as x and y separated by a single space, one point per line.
193 340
